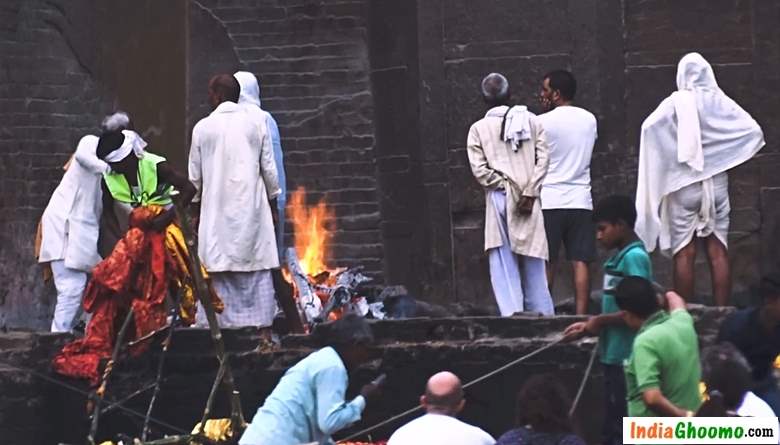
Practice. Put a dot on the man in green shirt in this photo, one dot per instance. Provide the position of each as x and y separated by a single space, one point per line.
614 218
663 372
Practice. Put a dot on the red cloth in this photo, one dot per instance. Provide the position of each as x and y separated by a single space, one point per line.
137 274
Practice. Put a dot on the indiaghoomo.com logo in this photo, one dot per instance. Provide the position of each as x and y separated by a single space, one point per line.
704 430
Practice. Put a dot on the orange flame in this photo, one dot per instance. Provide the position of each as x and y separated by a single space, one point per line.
311 235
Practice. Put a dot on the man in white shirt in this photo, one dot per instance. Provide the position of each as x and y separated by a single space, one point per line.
566 199
70 225
443 400
232 165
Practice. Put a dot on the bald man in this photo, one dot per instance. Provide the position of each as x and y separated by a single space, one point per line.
232 165
443 400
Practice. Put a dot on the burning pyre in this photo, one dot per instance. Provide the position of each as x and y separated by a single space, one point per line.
321 293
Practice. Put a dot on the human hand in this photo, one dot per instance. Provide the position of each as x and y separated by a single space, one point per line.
574 331
525 205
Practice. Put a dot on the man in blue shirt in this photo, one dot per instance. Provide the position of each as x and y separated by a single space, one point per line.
308 403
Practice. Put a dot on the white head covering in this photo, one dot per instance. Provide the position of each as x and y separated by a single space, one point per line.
250 89
693 135
133 143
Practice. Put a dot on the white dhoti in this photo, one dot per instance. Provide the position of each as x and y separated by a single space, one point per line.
249 299
519 282
70 284
700 209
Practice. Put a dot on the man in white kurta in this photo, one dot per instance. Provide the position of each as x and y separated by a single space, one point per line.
70 225
231 163
249 98
686 147
508 154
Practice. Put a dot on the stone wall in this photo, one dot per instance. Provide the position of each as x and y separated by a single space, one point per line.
312 62
624 55
373 100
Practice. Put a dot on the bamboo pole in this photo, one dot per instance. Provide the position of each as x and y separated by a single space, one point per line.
158 379
202 292
101 391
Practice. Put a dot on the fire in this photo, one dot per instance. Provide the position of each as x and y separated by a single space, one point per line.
311 235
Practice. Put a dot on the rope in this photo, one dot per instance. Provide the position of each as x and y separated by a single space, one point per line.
593 354
88 395
467 385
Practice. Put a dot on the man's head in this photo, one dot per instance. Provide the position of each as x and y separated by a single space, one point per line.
443 395
495 90
223 88
636 297
543 404
351 337
108 143
614 217
726 370
558 88
117 121
769 291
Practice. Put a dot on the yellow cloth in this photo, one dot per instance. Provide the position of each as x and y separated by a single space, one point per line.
777 362
217 430
177 248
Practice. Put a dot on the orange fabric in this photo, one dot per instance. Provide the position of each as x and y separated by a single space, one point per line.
139 273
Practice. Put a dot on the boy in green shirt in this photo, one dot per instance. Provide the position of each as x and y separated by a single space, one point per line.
614 218
663 372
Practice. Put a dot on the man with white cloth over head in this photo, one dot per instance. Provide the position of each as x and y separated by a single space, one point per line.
508 154
71 224
687 145
231 163
249 98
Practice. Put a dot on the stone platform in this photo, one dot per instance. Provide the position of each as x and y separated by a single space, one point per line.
34 411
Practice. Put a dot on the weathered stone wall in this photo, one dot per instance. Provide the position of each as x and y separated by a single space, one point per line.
624 55
312 62
374 100
34 411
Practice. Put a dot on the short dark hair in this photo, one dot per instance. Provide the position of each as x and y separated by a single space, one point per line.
725 369
108 142
564 82
768 288
637 295
616 208
349 330
544 404
226 86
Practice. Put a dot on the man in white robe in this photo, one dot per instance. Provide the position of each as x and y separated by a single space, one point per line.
231 163
249 98
508 154
70 225
687 145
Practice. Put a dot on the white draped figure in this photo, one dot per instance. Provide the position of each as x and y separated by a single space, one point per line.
70 224
231 163
687 145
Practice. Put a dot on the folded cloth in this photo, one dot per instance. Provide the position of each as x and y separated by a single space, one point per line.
516 125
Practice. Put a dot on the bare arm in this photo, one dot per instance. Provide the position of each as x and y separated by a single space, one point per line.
674 301
655 400
593 325
165 173
534 188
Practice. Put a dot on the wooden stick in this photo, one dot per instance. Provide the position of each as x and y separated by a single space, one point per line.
101 391
202 292
210 400
166 345
118 404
